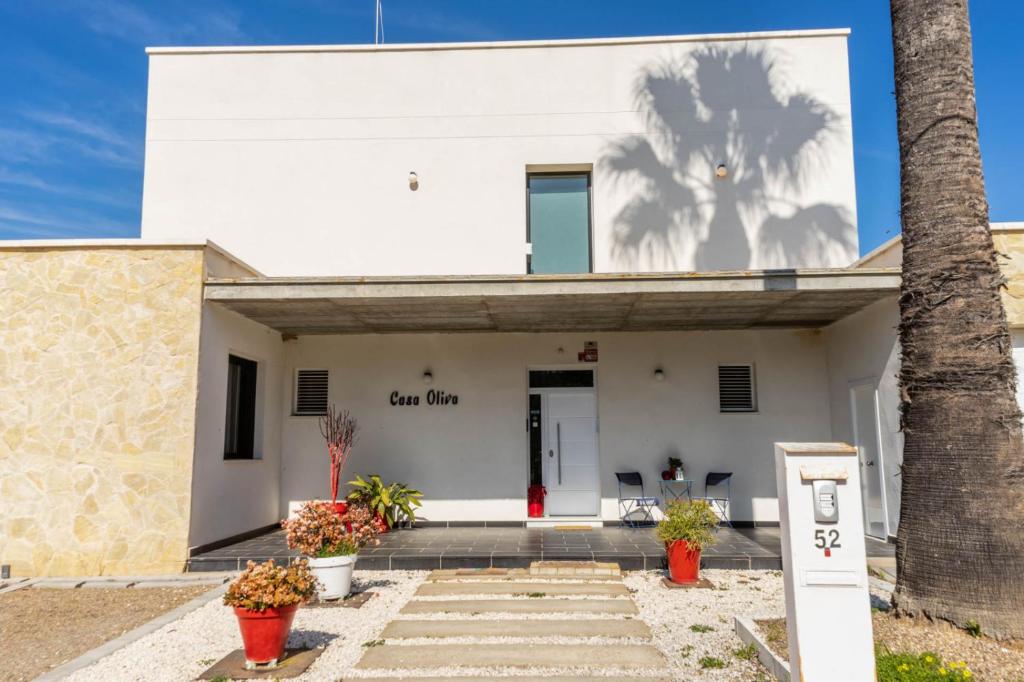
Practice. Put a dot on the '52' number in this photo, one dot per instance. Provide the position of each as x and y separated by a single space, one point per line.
831 541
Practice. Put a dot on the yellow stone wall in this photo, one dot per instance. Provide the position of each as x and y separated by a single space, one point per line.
1011 245
98 373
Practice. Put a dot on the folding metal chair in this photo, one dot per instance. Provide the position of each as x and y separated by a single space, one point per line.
630 505
721 505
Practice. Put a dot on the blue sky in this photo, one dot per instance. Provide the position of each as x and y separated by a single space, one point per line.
73 85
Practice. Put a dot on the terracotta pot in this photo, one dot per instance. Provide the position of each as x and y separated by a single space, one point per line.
683 562
265 633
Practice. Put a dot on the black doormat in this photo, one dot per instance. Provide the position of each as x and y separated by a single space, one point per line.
232 667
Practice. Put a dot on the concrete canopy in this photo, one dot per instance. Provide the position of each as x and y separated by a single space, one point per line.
554 303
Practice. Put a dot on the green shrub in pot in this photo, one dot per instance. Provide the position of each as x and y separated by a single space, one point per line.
390 502
688 527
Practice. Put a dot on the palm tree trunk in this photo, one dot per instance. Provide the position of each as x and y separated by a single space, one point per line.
960 545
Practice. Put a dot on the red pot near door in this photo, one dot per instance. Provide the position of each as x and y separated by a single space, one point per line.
265 633
535 501
683 562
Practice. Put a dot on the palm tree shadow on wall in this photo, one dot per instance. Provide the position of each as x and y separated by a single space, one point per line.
723 107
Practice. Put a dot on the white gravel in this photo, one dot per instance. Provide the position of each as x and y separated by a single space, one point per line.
182 650
671 612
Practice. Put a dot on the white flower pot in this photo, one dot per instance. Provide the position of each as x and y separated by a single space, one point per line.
334 575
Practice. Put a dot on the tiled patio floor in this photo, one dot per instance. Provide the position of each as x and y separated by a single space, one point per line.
430 548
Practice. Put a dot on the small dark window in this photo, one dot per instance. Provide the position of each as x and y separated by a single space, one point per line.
310 392
559 378
240 424
736 391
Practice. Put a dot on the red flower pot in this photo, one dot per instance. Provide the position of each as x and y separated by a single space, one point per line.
683 562
535 501
340 508
265 633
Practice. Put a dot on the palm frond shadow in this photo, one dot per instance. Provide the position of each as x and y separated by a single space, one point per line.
724 107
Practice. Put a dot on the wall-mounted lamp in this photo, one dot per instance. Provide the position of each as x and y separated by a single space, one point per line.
721 171
428 377
414 180
659 374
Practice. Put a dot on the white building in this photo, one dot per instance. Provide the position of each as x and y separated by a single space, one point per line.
540 262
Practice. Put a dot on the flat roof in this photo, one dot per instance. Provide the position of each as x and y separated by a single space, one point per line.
120 243
555 303
504 44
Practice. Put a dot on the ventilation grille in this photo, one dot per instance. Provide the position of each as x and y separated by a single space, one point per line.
736 388
311 392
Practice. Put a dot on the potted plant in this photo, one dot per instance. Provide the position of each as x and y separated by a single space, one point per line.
686 529
265 598
339 430
330 542
675 466
389 503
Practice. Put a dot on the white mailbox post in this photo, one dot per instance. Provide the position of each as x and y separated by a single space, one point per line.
828 614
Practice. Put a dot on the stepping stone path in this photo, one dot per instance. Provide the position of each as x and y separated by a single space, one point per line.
557 620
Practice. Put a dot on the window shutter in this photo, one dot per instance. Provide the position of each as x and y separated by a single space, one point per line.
736 388
311 392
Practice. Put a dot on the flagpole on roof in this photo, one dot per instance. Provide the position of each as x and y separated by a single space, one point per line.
378 25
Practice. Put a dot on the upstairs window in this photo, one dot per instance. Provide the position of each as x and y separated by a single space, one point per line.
240 423
310 392
558 225
736 389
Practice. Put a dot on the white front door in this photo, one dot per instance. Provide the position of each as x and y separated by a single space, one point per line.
865 438
570 471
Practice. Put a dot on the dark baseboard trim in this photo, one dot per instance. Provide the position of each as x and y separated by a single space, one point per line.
230 540
421 523
470 524
735 524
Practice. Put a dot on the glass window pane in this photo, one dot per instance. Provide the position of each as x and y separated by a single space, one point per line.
559 223
240 420
561 378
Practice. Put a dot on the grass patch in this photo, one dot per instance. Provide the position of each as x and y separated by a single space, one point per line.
699 627
686 651
710 662
536 595
926 667
746 653
973 628
373 642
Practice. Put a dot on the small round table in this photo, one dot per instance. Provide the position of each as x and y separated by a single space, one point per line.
675 488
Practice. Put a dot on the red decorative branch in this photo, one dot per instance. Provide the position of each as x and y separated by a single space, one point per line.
339 431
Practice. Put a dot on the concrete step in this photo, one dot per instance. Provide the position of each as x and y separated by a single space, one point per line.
411 629
516 678
604 606
512 655
574 568
505 574
523 588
